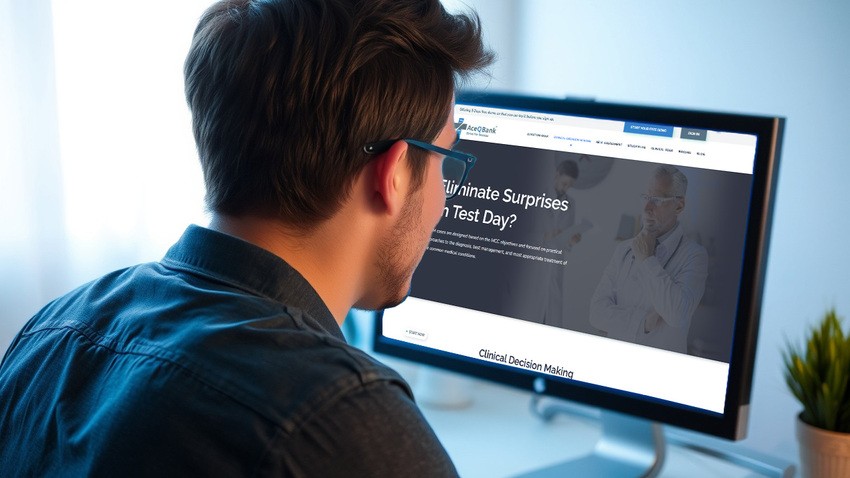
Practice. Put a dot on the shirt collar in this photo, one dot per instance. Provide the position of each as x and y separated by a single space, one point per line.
250 268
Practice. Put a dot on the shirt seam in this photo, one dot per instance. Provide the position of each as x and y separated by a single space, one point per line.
300 416
183 265
99 340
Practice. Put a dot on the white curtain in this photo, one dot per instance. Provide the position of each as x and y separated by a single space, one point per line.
33 258
98 169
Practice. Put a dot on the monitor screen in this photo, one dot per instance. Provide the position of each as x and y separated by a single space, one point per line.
607 254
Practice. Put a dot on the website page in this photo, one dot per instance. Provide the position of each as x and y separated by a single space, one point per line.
606 252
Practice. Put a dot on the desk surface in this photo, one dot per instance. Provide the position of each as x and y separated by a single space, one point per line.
496 435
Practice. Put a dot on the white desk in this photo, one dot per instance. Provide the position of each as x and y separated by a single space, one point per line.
497 435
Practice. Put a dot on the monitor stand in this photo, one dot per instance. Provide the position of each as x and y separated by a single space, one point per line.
634 447
628 447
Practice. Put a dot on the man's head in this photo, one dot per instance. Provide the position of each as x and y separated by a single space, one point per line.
566 174
664 200
284 94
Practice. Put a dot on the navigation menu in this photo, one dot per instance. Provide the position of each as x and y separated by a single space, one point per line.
683 146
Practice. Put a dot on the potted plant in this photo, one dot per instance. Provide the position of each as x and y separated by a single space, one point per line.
818 375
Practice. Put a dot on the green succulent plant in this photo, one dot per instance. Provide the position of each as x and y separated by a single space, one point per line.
818 374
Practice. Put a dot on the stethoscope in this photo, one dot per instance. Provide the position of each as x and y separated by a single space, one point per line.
663 266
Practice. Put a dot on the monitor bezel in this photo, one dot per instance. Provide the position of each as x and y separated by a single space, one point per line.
732 423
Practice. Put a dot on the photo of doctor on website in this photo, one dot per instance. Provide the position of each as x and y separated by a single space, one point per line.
654 282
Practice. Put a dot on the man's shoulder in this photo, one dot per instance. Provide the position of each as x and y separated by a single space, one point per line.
226 393
307 370
270 358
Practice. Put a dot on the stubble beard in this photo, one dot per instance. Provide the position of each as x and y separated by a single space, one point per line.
401 252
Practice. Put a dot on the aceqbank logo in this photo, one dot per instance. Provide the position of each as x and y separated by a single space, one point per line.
474 130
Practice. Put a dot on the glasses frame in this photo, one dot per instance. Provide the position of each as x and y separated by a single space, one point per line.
467 159
658 200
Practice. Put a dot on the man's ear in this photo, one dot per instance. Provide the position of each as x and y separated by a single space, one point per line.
681 206
392 178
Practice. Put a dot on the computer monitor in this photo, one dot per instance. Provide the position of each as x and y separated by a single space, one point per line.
608 254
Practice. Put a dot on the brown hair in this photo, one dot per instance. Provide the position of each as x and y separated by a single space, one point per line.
284 94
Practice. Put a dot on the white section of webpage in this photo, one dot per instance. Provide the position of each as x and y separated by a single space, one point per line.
671 376
604 138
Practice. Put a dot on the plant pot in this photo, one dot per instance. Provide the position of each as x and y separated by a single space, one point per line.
823 454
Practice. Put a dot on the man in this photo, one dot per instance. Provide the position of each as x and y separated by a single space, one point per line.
226 358
566 174
559 237
654 282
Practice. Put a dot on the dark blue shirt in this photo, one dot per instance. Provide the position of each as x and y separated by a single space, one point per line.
220 360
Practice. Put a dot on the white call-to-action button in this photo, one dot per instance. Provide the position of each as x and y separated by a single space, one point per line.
415 334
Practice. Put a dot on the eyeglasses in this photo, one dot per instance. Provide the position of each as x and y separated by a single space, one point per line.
456 165
657 200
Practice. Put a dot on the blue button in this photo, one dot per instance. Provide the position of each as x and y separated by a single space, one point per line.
648 128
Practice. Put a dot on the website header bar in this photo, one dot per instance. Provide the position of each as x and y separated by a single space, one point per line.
666 144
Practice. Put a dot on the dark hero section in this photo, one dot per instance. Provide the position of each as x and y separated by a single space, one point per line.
550 237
